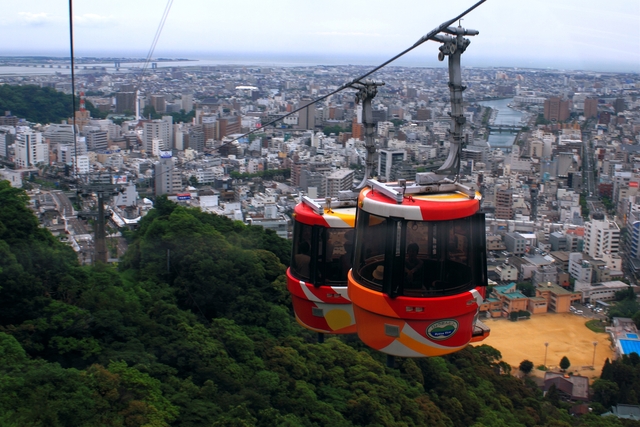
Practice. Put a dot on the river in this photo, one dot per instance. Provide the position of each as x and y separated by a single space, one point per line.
505 116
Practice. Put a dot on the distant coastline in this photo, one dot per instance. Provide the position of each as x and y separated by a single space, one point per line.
276 59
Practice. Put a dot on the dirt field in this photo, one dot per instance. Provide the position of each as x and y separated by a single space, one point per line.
566 334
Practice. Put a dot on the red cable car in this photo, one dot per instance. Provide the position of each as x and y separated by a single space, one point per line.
321 258
419 272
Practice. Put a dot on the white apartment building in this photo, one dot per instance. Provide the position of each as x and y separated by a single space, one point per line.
58 133
601 236
97 140
507 272
339 180
30 150
207 175
66 152
168 177
83 165
157 129
580 269
604 291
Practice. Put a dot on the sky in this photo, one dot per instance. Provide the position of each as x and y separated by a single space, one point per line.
561 34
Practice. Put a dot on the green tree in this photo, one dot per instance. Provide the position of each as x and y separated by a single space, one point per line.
564 363
526 288
626 294
605 392
526 366
149 111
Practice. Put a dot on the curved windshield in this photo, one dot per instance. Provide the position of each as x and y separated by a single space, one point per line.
321 255
420 258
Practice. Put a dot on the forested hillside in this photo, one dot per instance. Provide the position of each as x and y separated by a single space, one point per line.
195 329
39 104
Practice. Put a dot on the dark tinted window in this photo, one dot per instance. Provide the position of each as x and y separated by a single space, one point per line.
420 258
321 255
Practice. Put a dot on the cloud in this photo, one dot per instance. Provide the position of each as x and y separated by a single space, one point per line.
35 18
93 20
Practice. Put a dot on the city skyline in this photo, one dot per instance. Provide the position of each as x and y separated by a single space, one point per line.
511 34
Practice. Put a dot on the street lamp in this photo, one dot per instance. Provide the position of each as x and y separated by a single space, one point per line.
593 362
546 347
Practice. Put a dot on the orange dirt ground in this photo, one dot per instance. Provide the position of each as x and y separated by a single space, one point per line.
566 334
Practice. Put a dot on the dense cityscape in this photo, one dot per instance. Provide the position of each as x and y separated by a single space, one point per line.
554 153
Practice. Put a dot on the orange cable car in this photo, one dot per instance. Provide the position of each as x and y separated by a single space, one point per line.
419 273
321 258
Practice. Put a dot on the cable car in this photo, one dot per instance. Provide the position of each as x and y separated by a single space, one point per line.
323 239
419 273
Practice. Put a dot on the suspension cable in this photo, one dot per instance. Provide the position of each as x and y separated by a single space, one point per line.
73 88
429 36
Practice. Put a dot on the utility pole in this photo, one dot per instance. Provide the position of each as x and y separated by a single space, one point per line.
546 347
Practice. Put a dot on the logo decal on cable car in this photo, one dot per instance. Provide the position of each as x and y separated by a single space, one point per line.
442 329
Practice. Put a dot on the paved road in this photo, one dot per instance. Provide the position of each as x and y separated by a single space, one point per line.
77 226
588 168
65 207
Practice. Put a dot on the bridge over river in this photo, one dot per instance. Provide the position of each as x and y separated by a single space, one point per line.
498 128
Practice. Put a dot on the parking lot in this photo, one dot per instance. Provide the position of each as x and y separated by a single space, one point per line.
590 311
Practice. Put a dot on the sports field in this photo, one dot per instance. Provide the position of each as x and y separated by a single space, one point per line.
566 334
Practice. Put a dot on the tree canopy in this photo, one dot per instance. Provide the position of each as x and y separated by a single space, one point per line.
40 104
195 327
526 366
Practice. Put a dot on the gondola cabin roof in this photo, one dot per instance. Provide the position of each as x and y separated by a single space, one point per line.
417 204
341 217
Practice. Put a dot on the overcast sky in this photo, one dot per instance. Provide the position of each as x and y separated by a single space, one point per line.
567 34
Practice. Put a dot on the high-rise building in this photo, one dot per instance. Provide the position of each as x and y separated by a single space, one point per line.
58 133
66 152
159 129
307 116
556 109
601 236
126 102
82 164
590 108
30 150
196 139
159 103
339 180
7 137
387 159
228 125
296 172
187 102
168 178
357 130
97 140
504 204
